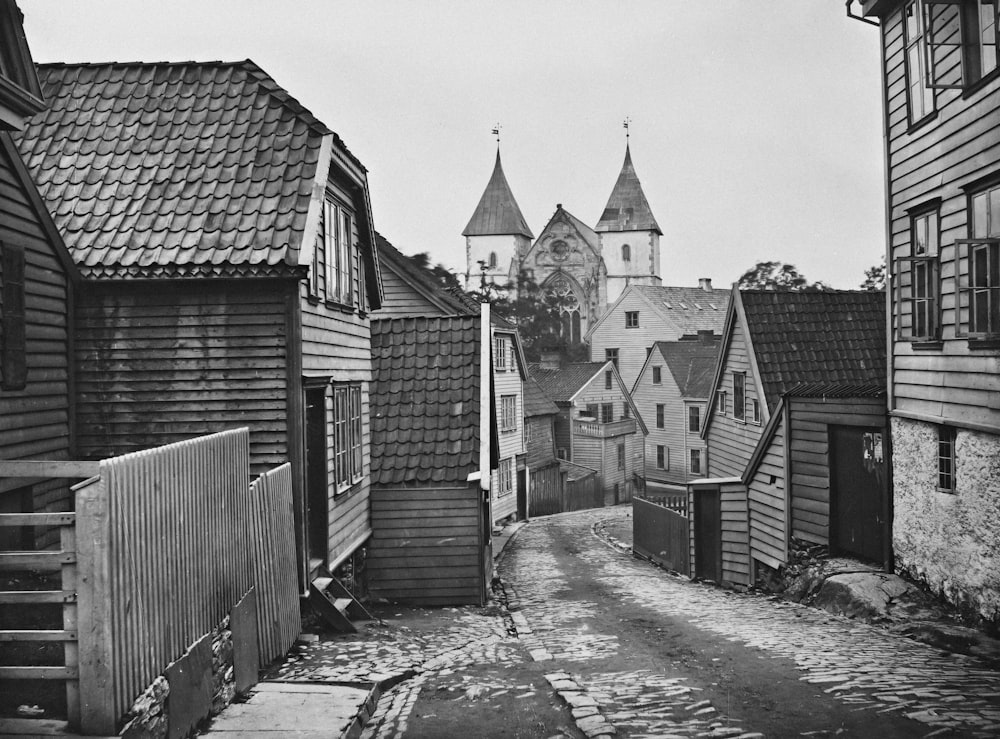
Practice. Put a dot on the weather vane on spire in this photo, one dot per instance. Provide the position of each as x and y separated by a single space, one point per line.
625 125
496 132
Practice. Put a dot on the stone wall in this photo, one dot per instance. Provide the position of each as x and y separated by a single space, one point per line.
949 541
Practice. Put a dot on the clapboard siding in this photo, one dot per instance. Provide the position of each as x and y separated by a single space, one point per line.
809 456
540 445
766 504
631 343
735 535
427 546
400 299
508 382
731 442
646 397
159 365
958 147
35 422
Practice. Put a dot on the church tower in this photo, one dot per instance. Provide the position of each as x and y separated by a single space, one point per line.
629 235
497 235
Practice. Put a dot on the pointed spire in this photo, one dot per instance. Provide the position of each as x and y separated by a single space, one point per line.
627 208
497 212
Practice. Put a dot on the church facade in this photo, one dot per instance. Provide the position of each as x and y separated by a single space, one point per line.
585 268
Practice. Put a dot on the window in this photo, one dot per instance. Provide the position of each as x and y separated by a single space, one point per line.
960 42
739 396
631 319
657 375
13 347
946 459
505 477
979 284
755 410
501 349
508 412
561 453
919 97
492 262
662 458
608 379
694 419
337 272
527 432
611 355
721 402
917 280
591 410
626 253
348 456
626 412
607 412
621 456
696 462
659 415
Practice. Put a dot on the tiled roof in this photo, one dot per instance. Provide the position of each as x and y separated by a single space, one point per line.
425 400
497 212
146 166
420 279
536 402
627 208
691 309
816 337
561 384
692 365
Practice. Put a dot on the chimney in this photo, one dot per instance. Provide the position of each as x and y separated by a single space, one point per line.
705 283
706 336
551 360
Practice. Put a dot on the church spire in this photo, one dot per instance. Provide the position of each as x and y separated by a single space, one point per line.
497 212
627 208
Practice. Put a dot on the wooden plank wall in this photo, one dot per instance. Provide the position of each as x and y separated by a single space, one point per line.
633 342
730 442
735 535
935 161
400 299
35 421
160 363
508 382
767 505
646 396
541 449
810 456
427 546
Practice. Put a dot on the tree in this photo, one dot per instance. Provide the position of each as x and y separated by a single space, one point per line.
875 277
439 272
777 276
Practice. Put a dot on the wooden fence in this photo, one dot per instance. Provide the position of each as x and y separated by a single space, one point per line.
661 532
551 491
166 542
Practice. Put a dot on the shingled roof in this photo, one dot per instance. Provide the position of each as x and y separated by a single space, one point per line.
687 309
202 168
828 337
425 400
497 212
691 364
627 208
563 383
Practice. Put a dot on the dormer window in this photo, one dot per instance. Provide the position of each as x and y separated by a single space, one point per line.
337 271
626 253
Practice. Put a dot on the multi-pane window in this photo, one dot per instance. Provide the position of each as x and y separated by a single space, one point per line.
660 415
501 350
657 375
917 280
621 456
960 41
626 413
631 319
755 410
505 477
739 396
980 281
348 454
337 271
946 458
919 97
508 412
611 355
608 379
721 402
694 419
607 412
662 460
696 461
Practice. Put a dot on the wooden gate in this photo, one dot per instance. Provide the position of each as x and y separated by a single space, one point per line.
660 531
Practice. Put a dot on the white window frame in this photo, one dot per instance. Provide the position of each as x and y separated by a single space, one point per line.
657 375
917 280
721 402
500 354
347 438
740 394
694 414
697 454
662 457
508 413
505 477
661 415
631 319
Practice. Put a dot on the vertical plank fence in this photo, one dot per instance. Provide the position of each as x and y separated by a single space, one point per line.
553 490
660 531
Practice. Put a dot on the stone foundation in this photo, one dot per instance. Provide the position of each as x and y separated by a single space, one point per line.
949 541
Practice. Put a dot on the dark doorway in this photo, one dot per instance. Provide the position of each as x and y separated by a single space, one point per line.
317 459
707 535
522 495
857 492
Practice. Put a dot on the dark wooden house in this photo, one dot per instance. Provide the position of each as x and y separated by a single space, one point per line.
433 451
941 93
225 239
37 278
797 435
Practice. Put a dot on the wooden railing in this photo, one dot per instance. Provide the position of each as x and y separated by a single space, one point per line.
604 430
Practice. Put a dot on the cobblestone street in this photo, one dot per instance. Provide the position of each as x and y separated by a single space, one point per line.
631 650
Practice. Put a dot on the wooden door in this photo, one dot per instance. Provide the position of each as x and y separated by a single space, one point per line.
708 535
858 509
522 495
316 472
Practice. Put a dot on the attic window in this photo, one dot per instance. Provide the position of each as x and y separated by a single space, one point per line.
683 305
666 303
631 319
713 306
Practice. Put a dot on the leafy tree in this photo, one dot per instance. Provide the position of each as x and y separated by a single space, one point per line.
439 272
777 276
875 277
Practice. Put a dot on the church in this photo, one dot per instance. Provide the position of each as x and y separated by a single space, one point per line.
588 267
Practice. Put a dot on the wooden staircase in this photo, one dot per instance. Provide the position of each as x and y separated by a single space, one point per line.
337 605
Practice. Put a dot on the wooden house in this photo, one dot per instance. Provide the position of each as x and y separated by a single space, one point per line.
225 239
598 425
672 393
797 435
433 451
408 290
539 426
37 278
644 314
941 94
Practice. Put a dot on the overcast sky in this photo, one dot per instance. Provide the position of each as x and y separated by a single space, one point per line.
756 127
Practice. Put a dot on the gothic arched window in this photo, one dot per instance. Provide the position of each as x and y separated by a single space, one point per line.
626 253
493 260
